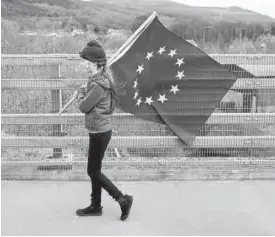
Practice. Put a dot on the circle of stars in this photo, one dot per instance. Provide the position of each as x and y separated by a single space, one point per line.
174 88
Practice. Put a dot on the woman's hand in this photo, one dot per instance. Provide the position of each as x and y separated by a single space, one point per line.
82 89
75 94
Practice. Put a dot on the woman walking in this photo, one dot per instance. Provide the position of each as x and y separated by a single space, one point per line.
96 101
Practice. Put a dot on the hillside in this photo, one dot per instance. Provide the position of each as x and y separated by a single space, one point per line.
120 13
27 25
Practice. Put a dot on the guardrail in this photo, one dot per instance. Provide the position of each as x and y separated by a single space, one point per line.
148 149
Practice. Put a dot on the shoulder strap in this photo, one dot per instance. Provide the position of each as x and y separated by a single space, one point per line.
113 97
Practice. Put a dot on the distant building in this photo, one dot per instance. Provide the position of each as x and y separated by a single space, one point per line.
28 33
113 31
54 34
77 32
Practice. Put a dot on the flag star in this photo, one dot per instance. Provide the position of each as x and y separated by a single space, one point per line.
162 98
135 84
149 55
138 101
140 69
149 100
180 74
172 53
180 61
136 95
161 50
174 89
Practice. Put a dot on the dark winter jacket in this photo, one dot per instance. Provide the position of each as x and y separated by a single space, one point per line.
97 104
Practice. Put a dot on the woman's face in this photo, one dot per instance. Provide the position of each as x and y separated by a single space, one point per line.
89 67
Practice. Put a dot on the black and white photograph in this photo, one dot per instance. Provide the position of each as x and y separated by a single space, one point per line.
137 118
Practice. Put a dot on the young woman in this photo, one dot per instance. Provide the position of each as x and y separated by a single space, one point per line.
96 101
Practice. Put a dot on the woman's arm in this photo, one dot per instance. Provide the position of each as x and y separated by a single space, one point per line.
88 101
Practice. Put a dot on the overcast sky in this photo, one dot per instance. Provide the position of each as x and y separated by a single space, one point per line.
266 7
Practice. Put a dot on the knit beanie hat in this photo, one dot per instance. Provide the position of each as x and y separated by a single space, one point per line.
93 52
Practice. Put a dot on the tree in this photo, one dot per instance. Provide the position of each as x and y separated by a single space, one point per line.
137 22
177 29
234 35
85 27
9 36
64 23
97 29
244 30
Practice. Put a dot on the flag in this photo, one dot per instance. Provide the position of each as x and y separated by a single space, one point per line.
168 80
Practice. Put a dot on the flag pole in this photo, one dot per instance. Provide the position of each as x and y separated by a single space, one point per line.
134 36
128 42
68 104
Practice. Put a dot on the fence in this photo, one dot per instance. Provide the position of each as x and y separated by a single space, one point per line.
237 142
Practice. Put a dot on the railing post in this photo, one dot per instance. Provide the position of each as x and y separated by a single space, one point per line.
247 101
56 106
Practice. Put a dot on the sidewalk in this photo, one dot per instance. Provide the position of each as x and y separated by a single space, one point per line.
160 208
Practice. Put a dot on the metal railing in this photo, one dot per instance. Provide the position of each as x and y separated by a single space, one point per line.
237 142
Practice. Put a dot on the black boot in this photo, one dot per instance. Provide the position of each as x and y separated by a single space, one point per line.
92 210
125 203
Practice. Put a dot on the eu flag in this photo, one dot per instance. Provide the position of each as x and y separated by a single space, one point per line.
168 80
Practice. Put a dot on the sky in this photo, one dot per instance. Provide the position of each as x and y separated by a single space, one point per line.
266 7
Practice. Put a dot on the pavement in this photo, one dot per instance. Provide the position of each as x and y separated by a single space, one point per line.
159 208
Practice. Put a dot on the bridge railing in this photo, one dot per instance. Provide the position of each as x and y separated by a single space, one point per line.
238 140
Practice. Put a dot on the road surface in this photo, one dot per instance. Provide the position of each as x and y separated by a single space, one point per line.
160 208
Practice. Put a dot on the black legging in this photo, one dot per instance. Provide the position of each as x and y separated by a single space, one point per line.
97 146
